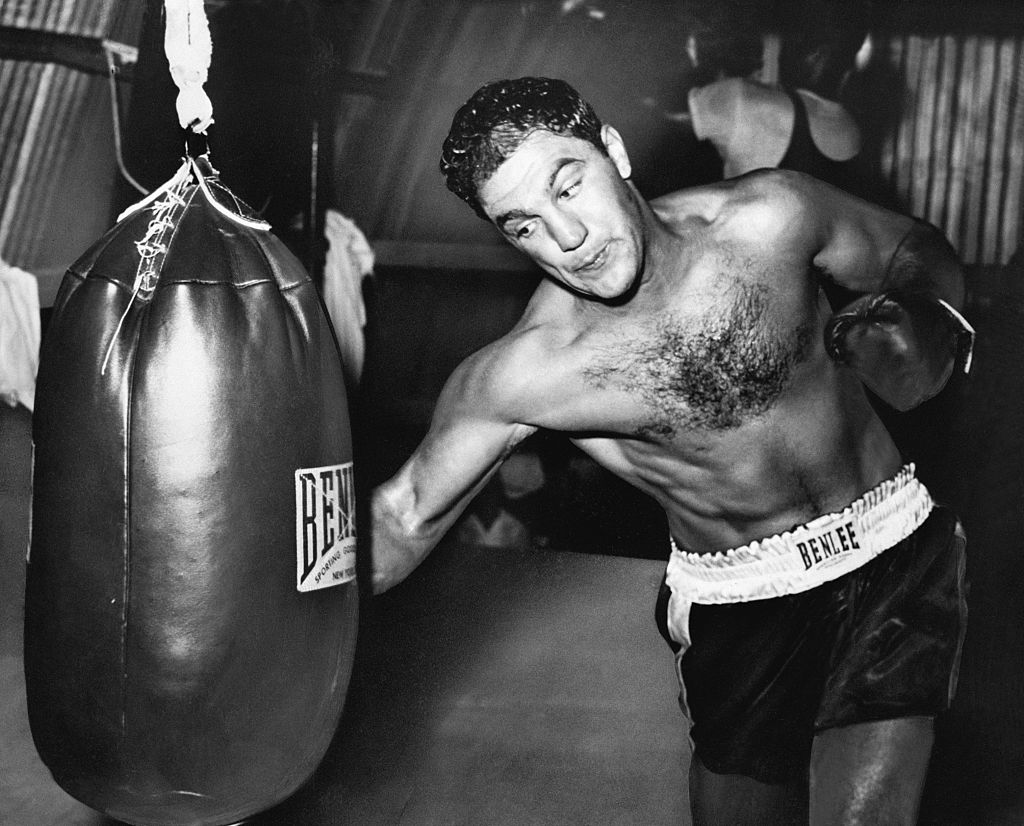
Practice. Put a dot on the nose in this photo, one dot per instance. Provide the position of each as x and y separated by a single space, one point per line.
568 231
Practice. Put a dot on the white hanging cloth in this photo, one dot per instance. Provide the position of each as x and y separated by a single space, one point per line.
20 335
348 260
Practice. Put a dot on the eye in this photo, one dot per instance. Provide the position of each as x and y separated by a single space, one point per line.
570 190
523 230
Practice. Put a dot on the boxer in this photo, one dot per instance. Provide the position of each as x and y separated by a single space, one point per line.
814 591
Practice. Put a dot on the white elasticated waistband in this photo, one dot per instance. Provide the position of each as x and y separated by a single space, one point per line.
805 557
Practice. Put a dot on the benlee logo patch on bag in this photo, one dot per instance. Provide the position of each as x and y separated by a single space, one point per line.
325 526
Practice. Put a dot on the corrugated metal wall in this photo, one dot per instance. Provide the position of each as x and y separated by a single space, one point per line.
956 156
44 105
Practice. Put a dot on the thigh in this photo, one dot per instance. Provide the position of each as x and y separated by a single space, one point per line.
736 800
870 773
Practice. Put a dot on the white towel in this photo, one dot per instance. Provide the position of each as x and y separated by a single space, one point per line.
348 260
19 335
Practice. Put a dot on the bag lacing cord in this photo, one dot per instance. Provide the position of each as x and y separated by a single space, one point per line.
189 50
152 246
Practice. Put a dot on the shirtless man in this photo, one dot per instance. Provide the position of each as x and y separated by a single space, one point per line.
685 344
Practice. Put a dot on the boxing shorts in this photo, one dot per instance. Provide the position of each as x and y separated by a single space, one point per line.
854 617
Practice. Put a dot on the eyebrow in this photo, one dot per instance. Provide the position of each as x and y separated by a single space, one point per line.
513 214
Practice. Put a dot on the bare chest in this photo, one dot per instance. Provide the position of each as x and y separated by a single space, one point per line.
715 369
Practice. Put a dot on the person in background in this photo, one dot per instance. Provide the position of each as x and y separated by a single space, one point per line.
798 123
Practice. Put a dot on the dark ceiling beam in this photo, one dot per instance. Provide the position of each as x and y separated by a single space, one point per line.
86 54
940 17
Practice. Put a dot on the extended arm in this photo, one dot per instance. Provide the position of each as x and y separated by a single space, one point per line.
467 442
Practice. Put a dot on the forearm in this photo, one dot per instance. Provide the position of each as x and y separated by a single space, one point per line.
468 440
905 339
926 277
409 519
925 265
400 541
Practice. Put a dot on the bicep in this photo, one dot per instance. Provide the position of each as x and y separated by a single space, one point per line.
467 441
855 240
809 225
876 251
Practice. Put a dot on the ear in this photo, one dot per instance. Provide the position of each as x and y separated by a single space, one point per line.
691 50
616 151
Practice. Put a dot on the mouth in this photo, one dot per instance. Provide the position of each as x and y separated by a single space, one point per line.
593 262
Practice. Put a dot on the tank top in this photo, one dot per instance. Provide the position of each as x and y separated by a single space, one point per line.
802 155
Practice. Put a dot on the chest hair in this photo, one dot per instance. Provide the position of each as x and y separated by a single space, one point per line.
713 372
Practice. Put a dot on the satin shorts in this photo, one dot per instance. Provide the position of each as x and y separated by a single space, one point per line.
759 679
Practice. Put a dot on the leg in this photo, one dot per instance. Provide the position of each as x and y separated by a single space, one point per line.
735 800
870 773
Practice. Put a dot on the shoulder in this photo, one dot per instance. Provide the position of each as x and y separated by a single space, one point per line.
714 107
751 203
508 380
771 187
728 88
736 94
791 209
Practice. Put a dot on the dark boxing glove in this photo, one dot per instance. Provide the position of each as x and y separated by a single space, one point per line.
903 346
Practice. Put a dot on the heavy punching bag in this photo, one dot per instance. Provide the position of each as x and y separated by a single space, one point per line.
191 600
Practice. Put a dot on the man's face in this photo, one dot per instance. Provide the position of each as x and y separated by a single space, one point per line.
568 207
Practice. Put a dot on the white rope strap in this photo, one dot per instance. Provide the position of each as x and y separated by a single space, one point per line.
189 50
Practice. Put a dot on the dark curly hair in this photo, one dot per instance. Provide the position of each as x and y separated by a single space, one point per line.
494 122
